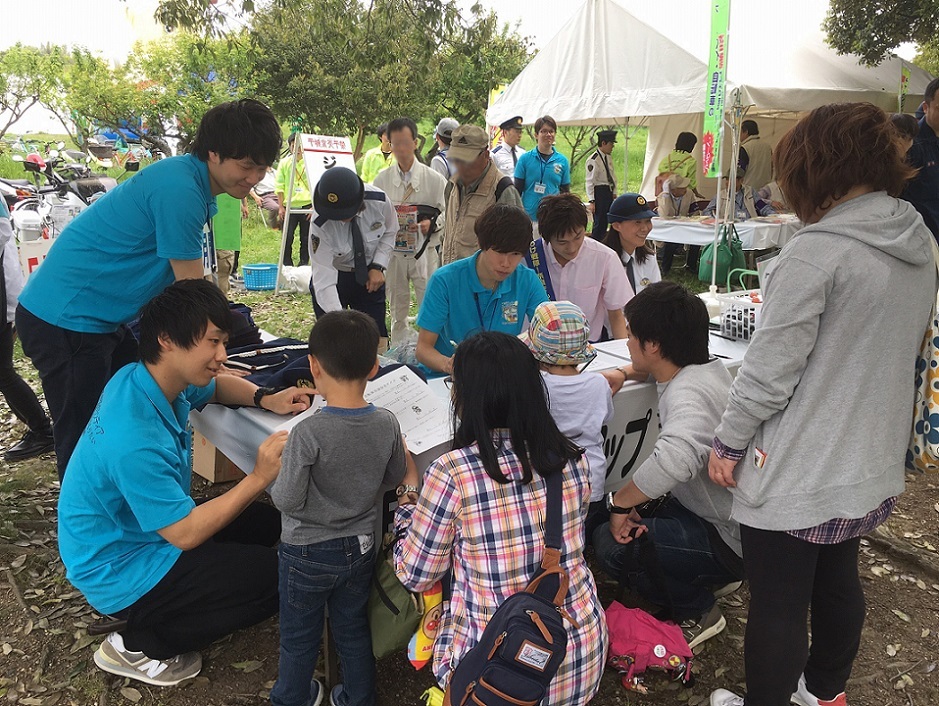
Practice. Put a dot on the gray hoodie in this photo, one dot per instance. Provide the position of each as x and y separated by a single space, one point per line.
689 406
823 402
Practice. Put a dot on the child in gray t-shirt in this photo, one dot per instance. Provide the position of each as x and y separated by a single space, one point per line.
334 465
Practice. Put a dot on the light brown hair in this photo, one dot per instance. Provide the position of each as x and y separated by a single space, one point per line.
834 149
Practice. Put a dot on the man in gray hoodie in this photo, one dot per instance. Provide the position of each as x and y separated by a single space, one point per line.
694 541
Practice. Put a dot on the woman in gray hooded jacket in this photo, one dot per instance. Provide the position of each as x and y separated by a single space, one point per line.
813 441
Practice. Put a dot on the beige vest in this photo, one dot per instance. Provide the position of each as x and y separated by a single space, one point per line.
459 238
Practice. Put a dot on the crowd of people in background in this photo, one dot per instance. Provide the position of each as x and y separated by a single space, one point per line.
766 477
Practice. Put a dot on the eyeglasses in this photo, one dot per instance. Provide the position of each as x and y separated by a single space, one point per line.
546 132
448 382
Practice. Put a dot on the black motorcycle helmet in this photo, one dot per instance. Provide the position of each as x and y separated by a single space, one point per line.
339 194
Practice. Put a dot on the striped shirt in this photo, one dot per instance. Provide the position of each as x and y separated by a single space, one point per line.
492 536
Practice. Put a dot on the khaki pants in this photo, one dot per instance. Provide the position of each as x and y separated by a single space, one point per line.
402 271
226 263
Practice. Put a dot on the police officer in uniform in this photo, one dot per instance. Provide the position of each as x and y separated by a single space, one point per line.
601 182
506 153
351 241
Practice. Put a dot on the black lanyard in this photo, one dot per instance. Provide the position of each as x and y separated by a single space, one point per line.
479 312
544 164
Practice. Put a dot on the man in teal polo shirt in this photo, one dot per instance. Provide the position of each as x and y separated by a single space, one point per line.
542 171
485 292
176 575
123 250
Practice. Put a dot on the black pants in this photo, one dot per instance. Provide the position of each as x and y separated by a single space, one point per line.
74 368
602 200
786 576
353 295
226 584
19 395
691 261
301 220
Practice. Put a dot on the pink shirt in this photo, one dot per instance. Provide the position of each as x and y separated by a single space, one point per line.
594 280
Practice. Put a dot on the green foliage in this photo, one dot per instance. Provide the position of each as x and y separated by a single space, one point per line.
471 62
27 76
338 67
872 28
928 57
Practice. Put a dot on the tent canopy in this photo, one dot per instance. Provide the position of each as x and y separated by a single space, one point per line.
603 67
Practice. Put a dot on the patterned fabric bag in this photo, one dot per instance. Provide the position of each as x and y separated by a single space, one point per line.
923 452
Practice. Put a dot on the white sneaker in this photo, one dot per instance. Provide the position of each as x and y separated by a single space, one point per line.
722 697
804 697
113 657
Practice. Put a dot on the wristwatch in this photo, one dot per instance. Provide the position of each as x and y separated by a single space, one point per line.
373 266
615 509
262 392
405 489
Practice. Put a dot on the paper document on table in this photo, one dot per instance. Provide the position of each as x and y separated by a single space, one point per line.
606 361
423 416
317 404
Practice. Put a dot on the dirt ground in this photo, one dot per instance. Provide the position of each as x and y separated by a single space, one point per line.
46 654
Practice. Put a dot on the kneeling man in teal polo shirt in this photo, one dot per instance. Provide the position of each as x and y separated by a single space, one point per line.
123 250
133 541
485 292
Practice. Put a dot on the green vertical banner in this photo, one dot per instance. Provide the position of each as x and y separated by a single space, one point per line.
904 87
717 75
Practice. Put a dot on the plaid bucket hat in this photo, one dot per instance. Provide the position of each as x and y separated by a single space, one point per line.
558 334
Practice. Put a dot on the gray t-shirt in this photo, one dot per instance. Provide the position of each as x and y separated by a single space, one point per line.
333 467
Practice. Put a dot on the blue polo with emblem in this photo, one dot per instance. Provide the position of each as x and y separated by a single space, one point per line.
114 256
128 477
543 177
456 304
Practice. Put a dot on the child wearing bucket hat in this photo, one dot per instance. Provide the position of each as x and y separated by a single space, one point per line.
581 402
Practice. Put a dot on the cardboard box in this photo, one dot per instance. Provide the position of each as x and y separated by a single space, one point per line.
212 464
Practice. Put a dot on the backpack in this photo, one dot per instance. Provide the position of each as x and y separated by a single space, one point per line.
525 642
639 642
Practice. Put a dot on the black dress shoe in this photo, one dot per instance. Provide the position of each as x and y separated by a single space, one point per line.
33 443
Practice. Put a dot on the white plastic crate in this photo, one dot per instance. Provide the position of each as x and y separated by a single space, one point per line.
740 313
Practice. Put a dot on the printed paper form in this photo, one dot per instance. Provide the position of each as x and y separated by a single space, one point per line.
423 416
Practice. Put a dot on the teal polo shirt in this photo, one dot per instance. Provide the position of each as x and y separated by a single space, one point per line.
552 173
115 256
456 305
128 477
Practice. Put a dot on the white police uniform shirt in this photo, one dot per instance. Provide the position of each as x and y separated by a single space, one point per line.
441 164
502 156
599 173
331 245
645 273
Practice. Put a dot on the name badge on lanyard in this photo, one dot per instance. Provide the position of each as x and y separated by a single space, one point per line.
539 188
209 260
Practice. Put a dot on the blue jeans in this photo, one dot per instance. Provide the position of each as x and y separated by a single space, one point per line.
689 563
333 574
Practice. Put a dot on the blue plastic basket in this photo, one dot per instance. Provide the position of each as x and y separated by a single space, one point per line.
259 277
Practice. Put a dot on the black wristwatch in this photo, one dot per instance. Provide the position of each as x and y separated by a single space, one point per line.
373 266
615 509
262 392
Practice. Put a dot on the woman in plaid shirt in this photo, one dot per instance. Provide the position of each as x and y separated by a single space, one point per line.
481 512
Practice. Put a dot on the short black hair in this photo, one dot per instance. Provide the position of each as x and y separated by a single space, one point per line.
559 215
686 141
238 129
182 313
345 343
931 89
402 124
668 314
381 130
906 125
504 228
750 127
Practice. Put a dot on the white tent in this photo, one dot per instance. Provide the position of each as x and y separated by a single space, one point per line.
604 67
777 58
